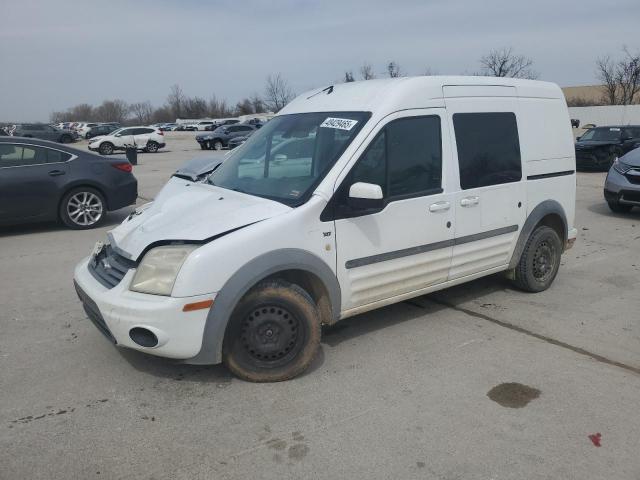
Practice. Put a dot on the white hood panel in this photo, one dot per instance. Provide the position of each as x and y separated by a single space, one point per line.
191 211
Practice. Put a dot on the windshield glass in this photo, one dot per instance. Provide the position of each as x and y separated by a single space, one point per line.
289 156
602 134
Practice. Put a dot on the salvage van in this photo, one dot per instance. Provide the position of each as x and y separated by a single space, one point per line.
353 197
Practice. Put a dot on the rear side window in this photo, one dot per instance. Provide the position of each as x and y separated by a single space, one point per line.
56 156
405 158
17 155
488 148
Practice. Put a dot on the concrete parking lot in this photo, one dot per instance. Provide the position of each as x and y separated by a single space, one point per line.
398 393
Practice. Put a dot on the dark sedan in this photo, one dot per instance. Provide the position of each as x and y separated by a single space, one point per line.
43 181
600 146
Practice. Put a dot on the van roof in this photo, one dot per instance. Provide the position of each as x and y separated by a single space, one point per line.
393 94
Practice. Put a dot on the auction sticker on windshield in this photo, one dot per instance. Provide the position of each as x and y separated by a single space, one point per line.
339 123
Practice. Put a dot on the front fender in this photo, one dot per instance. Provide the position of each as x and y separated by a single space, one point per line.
244 279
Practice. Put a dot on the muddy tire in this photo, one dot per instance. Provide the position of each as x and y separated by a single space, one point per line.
273 334
540 260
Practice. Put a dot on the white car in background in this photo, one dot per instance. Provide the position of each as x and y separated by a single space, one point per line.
83 128
148 139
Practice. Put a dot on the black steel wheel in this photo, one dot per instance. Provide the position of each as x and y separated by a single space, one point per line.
540 260
274 333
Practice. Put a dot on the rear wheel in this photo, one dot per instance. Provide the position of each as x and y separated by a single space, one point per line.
619 208
65 139
106 148
82 208
540 260
152 147
274 333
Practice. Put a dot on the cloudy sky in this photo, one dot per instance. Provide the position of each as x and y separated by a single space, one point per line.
55 54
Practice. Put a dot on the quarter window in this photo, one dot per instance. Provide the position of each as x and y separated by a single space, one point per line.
56 156
488 148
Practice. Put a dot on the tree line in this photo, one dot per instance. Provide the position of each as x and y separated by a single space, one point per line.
277 93
620 78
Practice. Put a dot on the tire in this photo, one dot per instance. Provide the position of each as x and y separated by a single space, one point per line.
217 145
78 217
273 334
106 148
152 147
204 146
65 139
540 260
619 208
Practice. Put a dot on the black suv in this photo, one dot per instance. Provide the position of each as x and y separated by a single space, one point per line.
102 129
219 138
45 132
598 147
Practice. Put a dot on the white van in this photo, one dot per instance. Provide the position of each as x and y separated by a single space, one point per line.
353 197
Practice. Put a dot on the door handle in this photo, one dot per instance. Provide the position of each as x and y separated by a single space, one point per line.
469 201
439 207
55 173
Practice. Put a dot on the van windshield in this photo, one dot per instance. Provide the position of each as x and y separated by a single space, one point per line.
287 158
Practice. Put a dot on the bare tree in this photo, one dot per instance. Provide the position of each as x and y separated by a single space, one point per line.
366 70
218 108
257 103
162 114
112 111
244 107
195 107
176 100
142 111
277 92
348 77
504 63
621 79
393 70
81 112
428 72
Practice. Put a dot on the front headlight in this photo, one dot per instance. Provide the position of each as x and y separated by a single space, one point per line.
620 167
159 268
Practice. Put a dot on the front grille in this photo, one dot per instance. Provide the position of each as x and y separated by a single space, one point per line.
93 312
108 267
635 179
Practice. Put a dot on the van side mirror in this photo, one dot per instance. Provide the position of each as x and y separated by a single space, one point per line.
365 196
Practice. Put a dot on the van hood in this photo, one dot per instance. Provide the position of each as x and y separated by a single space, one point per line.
190 211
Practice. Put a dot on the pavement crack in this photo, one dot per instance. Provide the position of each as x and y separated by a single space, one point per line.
544 338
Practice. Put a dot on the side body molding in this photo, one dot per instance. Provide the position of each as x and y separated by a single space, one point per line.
538 213
246 277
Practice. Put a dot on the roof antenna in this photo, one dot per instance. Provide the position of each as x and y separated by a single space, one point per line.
328 89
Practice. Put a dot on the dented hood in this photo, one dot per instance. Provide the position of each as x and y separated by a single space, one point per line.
190 211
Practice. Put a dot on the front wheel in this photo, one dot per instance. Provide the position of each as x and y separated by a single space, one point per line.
217 145
616 207
273 334
65 139
82 208
540 260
